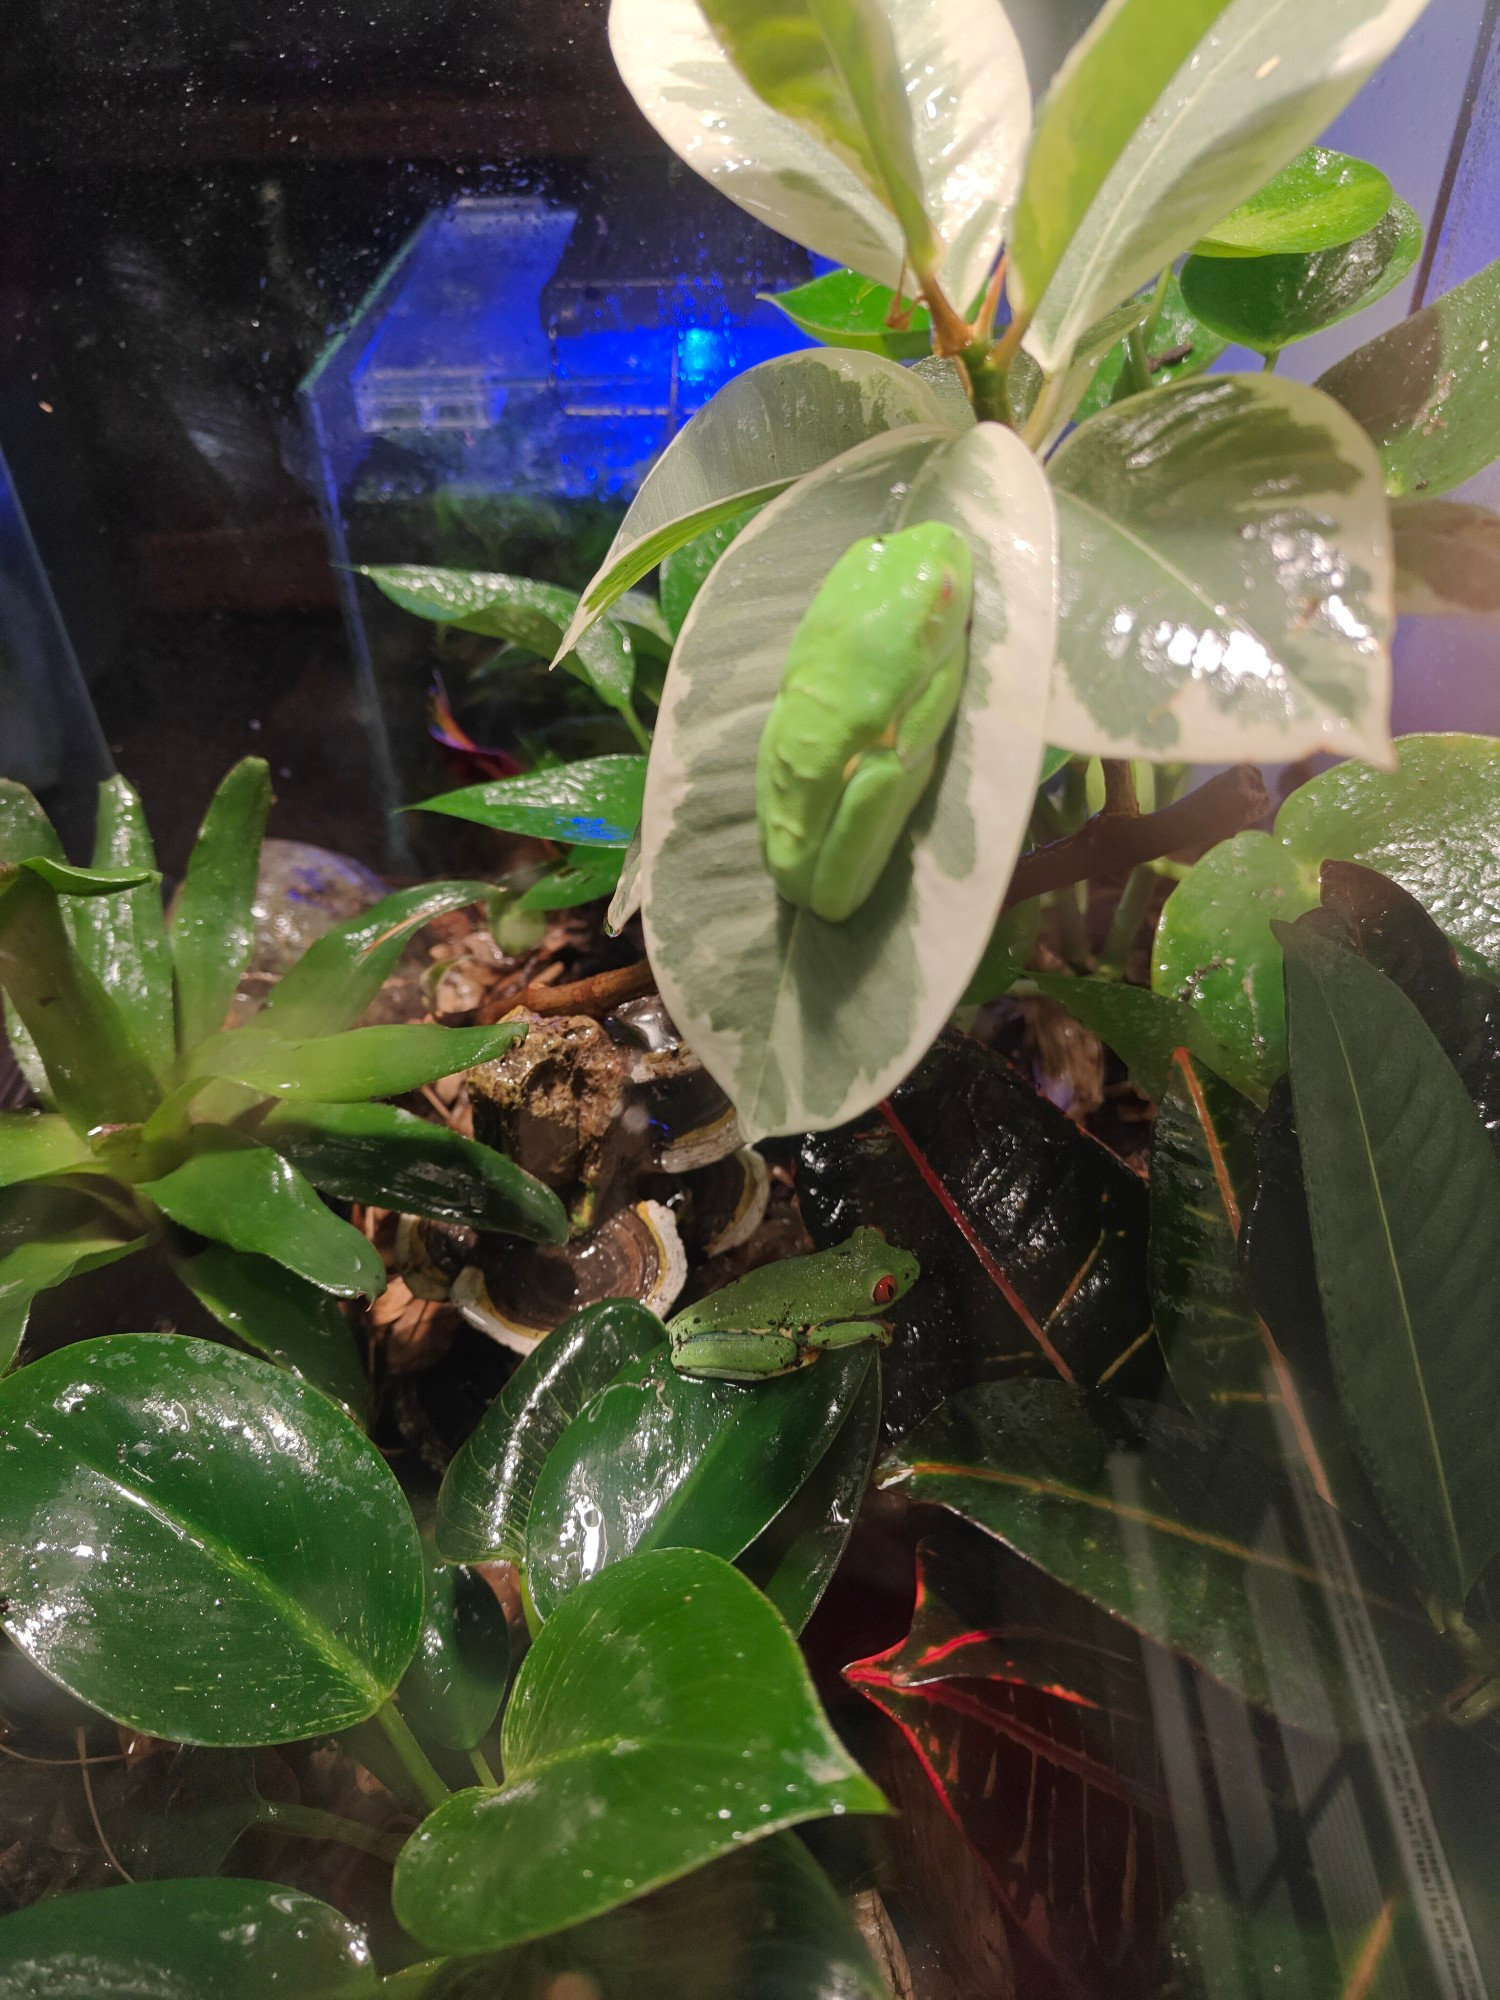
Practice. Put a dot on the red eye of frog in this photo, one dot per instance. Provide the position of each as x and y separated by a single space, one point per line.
885 1290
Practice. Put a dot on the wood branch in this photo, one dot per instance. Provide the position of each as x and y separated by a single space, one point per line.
1119 786
1112 843
589 996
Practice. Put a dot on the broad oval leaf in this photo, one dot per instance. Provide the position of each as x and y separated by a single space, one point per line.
452 1689
805 1023
48 1235
763 431
381 1154
595 802
236 1192
486 1496
656 1460
962 71
1193 1543
1426 391
1447 559
1160 124
1226 578
199 1545
1317 200
842 309
1403 1189
349 1067
1146 1030
124 937
635 1749
282 1317
1269 302
180 1940
213 922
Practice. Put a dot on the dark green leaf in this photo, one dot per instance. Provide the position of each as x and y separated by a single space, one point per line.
451 1693
1179 345
213 922
97 1074
1008 953
378 1153
1426 390
1145 1029
518 608
1102 1496
179 1811
593 803
1269 302
585 875
25 830
1317 200
36 1143
487 1494
685 570
233 1191
199 1545
793 1559
764 1924
635 1750
65 880
644 620
47 1234
1217 1948
349 1067
842 309
340 973
1403 1190
658 1460
1447 559
123 938
282 1317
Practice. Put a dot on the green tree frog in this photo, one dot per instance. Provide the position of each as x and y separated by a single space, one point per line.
872 678
784 1315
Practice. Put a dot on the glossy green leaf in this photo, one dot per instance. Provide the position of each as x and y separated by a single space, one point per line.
1426 391
199 1545
1213 608
1161 121
959 67
766 994
793 1560
842 309
595 802
1269 302
1403 1189
585 875
635 1749
33 1144
661 1461
182 1940
349 1067
340 973
1216 952
451 1693
1317 200
123 938
486 1497
47 1235
179 1811
1447 559
643 618
1178 346
685 570
764 430
25 831
1026 387
1161 1524
65 880
236 1192
764 1924
1216 1947
213 922
281 1316
1008 953
378 1153
96 1073
1145 1030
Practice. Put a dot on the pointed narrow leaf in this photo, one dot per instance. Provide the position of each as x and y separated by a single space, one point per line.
842 309
381 1154
36 1143
518 608
123 938
1403 1189
47 1235
625 903
1447 559
585 875
452 1689
352 1066
595 802
764 430
25 831
282 1317
1180 346
685 570
1426 391
1317 200
252 1199
207 1479
634 1751
767 993
213 925
65 880
1211 608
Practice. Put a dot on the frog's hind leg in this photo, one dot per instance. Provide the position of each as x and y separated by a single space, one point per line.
849 1333
738 1357
877 802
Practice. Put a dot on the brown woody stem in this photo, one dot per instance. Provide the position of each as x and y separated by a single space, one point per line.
590 996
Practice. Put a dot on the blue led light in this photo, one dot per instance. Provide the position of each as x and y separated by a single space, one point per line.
704 354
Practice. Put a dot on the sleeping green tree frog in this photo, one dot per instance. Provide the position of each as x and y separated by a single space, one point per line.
872 679
784 1315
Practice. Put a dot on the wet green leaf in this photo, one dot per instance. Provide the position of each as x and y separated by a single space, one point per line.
585 875
25 830
1179 346
199 1545
685 571
213 923
347 1068
1447 559
659 1460
1145 1030
487 1494
1317 200
452 1689
36 1143
635 1750
595 802
123 938
47 1235
842 309
378 1153
281 1316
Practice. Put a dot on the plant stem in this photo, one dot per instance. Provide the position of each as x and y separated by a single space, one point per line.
1269 361
414 1759
482 1770
312 1823
1138 360
1119 786
1130 914
1158 300
634 724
